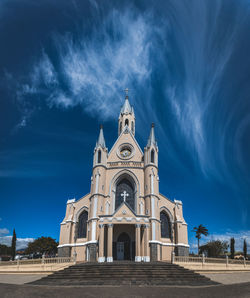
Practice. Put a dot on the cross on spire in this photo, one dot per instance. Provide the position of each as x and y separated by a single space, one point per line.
126 91
124 195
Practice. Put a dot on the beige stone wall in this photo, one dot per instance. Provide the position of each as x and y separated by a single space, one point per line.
166 252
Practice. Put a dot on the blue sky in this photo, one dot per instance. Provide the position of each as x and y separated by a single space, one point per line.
63 68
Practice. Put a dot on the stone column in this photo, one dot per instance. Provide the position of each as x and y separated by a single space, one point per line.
110 243
101 257
138 243
142 243
146 244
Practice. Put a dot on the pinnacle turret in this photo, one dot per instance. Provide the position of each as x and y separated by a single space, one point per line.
101 140
151 139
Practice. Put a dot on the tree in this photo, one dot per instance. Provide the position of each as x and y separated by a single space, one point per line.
232 249
201 230
13 245
214 248
5 250
42 245
245 248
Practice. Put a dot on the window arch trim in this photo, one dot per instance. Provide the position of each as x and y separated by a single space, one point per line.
116 179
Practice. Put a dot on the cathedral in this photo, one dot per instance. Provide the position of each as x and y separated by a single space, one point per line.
124 217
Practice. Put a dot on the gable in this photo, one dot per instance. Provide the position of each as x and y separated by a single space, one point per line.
126 137
124 211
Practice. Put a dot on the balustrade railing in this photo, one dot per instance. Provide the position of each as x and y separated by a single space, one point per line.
206 260
44 260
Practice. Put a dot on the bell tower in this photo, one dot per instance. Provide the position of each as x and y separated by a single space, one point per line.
127 116
97 192
151 190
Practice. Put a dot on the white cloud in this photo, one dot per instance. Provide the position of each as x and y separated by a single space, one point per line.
238 236
94 71
4 231
20 243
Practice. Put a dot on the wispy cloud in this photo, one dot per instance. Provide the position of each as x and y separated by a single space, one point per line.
184 53
93 71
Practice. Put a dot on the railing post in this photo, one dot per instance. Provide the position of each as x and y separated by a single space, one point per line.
173 257
226 261
18 264
43 262
203 259
74 257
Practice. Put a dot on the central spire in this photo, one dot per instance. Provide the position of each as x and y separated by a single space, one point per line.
127 116
126 109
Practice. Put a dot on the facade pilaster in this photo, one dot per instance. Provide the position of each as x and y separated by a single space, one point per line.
110 243
142 242
101 257
138 243
146 244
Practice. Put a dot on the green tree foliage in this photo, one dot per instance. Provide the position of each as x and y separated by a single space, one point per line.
5 250
214 248
232 249
200 230
42 245
245 248
13 245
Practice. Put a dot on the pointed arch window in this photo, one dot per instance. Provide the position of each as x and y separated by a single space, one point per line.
132 126
152 156
125 193
82 225
126 122
99 158
165 225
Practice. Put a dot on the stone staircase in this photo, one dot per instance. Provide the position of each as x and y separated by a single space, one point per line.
125 273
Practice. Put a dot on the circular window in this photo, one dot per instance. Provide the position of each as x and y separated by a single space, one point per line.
125 151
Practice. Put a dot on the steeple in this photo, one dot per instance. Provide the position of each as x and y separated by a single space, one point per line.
151 139
127 116
127 109
101 140
100 151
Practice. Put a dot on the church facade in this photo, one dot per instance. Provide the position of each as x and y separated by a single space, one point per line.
124 217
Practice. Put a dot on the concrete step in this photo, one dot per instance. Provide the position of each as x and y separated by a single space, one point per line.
125 274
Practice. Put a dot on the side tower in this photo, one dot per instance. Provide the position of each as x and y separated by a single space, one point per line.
97 192
152 191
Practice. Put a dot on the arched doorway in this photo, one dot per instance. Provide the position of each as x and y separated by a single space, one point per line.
123 247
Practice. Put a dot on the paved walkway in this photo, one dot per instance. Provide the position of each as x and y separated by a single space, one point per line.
12 286
19 279
27 291
229 278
